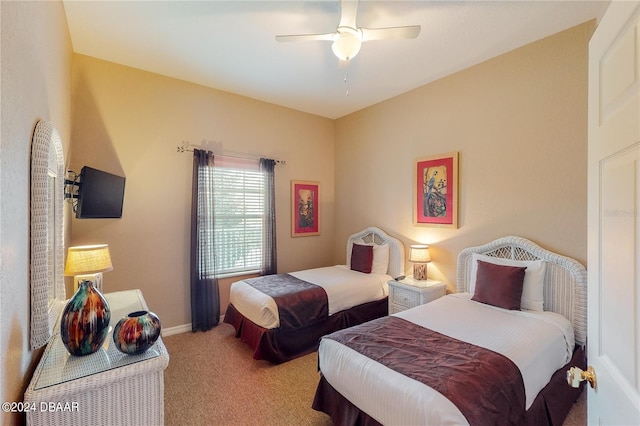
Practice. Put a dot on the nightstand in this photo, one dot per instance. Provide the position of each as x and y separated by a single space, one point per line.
409 293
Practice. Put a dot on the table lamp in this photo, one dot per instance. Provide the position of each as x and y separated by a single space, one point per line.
419 255
87 263
84 323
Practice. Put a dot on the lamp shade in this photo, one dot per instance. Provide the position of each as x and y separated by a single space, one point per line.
92 259
419 254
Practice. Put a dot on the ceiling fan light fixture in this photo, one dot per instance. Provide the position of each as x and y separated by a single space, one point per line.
347 45
348 37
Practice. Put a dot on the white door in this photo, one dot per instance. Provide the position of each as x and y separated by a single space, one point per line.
614 217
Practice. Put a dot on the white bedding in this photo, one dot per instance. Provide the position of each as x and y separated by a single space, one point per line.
345 289
539 343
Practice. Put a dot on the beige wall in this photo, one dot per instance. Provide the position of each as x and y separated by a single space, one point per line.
129 122
519 123
36 84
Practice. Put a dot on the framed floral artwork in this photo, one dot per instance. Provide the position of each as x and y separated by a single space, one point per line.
436 191
305 203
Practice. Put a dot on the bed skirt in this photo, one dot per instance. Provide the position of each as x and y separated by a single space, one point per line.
550 407
278 346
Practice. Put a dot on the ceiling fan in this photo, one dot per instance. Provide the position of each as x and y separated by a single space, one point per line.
348 37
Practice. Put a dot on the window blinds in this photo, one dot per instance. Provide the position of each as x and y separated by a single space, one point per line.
238 211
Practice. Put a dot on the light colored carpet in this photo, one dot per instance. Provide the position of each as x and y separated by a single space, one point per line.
213 380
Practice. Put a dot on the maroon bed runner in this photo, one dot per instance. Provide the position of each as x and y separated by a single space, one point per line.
486 387
300 303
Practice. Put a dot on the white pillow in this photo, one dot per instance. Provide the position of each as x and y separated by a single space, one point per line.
380 263
533 287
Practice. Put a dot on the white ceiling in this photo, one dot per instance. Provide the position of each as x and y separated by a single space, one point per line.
230 45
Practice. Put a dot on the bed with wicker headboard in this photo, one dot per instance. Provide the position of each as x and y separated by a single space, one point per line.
345 295
565 280
436 374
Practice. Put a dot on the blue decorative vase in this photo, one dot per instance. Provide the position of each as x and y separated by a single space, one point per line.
136 332
84 323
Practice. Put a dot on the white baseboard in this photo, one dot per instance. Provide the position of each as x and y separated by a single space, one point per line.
180 329
176 330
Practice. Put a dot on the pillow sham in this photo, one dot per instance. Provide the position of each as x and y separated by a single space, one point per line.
361 258
533 288
499 285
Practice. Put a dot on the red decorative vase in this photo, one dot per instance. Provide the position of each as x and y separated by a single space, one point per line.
136 332
84 323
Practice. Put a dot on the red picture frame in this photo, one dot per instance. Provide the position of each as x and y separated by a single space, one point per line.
305 208
436 191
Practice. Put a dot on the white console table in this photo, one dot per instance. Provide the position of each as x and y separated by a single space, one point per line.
107 387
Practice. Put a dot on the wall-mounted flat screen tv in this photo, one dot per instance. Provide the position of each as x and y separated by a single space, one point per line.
100 195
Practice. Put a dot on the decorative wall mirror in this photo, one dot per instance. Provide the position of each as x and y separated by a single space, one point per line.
47 232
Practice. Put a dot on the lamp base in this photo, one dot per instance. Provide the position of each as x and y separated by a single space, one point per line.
420 271
96 280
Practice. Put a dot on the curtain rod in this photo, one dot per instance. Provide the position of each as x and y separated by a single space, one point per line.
187 147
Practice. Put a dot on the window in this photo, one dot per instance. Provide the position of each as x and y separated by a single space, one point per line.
239 209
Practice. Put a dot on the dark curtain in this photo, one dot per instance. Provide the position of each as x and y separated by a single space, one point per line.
269 262
205 294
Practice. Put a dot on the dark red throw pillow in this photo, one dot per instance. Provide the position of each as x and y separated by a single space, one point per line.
361 258
499 285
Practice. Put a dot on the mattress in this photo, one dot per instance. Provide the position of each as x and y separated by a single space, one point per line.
345 289
539 343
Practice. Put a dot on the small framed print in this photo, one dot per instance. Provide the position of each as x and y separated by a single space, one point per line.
305 203
436 191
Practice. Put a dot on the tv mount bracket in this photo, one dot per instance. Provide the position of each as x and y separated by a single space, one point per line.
71 186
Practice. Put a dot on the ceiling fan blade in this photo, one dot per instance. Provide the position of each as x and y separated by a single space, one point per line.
306 37
348 11
392 33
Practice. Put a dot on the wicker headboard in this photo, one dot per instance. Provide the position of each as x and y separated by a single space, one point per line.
565 281
373 235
